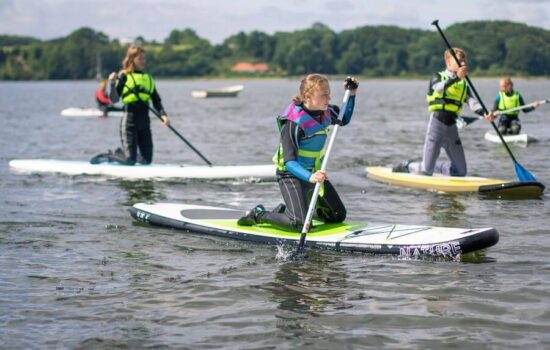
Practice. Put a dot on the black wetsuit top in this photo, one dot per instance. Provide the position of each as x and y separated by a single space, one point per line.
138 112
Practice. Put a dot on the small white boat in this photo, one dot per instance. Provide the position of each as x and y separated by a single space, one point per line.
76 112
138 171
519 138
230 91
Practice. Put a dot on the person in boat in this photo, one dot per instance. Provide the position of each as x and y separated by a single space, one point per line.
303 131
447 92
136 89
509 98
104 103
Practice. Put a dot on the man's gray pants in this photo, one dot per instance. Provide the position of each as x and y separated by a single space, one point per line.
440 136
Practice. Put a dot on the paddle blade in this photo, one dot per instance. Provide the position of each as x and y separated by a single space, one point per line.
464 121
469 120
523 174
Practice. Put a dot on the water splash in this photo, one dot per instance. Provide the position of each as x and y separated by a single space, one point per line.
284 252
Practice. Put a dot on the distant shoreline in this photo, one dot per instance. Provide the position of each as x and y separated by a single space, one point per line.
297 77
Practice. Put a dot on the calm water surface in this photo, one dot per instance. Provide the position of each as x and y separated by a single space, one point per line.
77 272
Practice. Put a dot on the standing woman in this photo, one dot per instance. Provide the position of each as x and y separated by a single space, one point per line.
136 89
303 132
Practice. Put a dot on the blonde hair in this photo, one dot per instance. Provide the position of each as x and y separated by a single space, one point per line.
128 64
309 83
507 81
458 52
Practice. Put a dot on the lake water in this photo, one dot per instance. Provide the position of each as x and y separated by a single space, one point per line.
77 272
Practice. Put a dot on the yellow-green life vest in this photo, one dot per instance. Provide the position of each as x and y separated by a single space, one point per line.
311 149
140 83
309 159
451 99
508 102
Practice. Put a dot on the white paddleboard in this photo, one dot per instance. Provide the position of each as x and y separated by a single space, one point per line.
76 112
519 138
374 238
159 171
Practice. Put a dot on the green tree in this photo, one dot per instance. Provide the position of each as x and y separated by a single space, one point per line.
493 47
186 37
306 51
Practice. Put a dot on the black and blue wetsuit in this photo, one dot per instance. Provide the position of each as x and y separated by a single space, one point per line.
294 179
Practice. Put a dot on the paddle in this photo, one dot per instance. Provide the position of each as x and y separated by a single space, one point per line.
311 209
522 173
178 134
171 128
464 121
522 107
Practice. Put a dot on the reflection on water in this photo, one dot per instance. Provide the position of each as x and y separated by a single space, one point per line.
314 286
477 257
446 210
140 191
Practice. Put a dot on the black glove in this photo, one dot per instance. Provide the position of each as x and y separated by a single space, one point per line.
350 83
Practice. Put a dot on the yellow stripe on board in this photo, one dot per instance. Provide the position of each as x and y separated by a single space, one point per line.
435 183
318 229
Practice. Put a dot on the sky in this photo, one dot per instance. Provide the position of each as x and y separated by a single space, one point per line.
216 20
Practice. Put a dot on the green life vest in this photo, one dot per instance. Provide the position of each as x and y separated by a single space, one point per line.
451 99
507 102
140 83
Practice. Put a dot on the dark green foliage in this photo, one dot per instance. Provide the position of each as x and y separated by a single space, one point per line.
257 45
504 47
185 38
305 51
11 40
493 48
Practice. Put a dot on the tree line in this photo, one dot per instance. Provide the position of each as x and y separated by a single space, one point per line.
494 48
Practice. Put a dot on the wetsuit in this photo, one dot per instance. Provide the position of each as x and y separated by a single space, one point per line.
293 176
446 95
135 130
509 123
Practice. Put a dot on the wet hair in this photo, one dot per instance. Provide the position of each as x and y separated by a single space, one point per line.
309 83
128 62
458 53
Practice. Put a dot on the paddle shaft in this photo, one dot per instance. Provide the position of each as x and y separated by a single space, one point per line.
171 128
471 86
178 134
522 107
464 121
311 209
